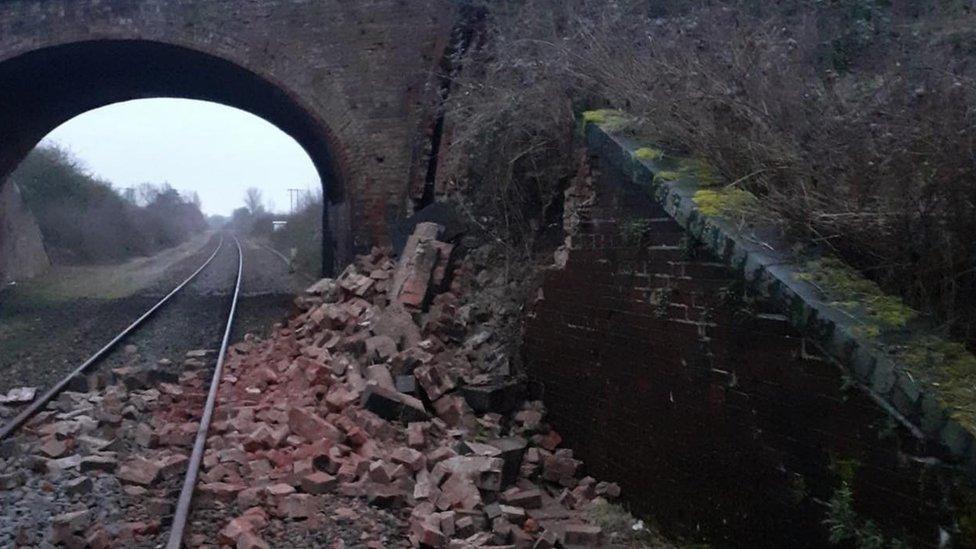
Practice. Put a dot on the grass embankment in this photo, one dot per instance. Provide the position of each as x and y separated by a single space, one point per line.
84 220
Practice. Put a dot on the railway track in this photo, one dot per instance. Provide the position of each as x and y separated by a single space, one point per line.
199 444
44 409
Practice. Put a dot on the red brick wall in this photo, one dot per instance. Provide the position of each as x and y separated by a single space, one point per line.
347 79
715 416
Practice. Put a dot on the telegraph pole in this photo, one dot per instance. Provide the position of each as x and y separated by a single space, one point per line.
291 196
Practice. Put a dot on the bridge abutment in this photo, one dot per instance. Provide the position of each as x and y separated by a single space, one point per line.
347 80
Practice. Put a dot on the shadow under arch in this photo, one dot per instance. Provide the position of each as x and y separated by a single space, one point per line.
41 89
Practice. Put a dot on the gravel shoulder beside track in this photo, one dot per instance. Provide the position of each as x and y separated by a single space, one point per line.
42 338
193 319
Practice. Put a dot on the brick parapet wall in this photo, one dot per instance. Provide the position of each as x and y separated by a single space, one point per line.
765 260
666 373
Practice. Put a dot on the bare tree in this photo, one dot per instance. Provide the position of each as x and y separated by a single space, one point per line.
252 200
194 199
146 193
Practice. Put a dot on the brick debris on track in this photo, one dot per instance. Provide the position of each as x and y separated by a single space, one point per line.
79 465
384 414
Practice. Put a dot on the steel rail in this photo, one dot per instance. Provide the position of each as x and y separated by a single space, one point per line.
54 391
199 445
287 261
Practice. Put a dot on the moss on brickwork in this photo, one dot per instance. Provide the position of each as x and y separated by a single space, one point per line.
850 291
951 369
647 153
726 202
667 175
633 231
691 169
704 173
608 119
946 367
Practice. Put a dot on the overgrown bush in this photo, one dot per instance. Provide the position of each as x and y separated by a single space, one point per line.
510 125
854 121
85 220
301 238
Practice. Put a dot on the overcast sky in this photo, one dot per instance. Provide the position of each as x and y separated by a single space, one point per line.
214 150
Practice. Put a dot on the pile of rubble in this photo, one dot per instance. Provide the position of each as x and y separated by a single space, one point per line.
387 388
98 466
385 414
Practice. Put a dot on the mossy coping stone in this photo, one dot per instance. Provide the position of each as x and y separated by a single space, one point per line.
926 383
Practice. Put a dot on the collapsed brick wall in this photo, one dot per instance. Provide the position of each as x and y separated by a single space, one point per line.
716 417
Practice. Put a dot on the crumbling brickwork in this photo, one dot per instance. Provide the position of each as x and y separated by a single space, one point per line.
347 80
715 416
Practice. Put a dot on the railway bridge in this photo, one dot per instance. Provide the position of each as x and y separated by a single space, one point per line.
349 81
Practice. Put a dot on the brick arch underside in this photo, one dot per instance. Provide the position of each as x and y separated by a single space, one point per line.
44 88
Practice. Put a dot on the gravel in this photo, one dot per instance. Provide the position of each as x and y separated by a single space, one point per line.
41 340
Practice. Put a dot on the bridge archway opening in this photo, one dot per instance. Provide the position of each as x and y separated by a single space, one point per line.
45 88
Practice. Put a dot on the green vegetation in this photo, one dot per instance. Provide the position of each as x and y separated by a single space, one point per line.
849 290
611 120
702 171
934 351
950 368
300 239
845 525
85 220
692 169
729 202
634 230
621 528
668 175
660 300
853 122
647 153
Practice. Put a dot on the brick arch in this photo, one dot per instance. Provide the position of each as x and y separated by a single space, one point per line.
347 80
46 87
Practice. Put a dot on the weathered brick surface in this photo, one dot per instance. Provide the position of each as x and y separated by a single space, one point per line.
347 80
716 418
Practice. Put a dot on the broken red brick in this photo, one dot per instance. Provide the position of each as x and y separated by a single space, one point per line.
319 483
385 496
409 457
527 499
221 491
297 506
139 471
416 438
391 405
312 427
